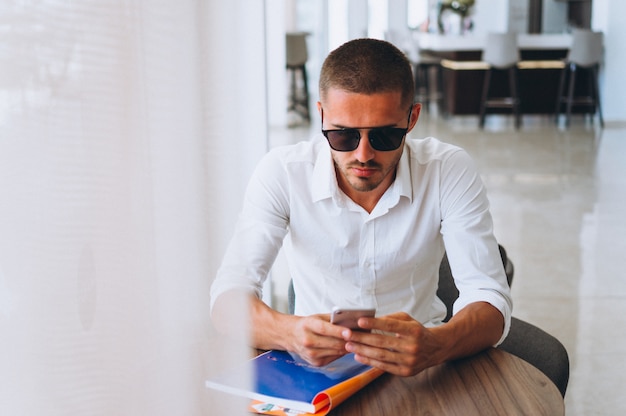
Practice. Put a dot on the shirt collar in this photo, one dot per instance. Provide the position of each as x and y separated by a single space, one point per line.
403 174
325 180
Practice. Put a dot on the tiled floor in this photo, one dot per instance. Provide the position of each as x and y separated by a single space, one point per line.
559 205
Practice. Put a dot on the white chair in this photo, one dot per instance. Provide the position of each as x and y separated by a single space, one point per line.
297 56
502 54
585 55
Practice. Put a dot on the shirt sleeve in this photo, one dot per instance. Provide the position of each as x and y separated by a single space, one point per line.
467 229
259 232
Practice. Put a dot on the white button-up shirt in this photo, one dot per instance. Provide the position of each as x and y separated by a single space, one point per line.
339 254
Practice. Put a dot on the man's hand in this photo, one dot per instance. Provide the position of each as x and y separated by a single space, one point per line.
316 340
400 345
313 338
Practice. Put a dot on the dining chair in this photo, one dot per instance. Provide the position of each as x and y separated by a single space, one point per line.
585 55
525 340
501 53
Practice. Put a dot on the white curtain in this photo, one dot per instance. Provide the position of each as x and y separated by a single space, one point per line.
128 130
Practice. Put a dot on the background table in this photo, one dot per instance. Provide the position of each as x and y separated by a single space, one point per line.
537 84
491 383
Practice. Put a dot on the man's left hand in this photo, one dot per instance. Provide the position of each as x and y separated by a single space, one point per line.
398 344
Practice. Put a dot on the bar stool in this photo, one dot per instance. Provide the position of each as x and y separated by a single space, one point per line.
426 90
584 55
425 67
502 55
297 56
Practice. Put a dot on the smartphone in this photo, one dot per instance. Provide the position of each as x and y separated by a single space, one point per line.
349 317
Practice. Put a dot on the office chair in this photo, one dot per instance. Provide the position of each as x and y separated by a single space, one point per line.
525 341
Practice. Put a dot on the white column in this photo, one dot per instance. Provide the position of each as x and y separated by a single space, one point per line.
357 18
397 15
607 17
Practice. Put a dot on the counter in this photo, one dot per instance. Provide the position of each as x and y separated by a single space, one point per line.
446 43
542 60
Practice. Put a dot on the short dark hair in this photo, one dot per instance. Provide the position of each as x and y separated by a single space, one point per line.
368 66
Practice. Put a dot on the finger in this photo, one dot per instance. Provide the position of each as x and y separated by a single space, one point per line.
388 366
371 355
317 341
402 316
395 360
321 357
372 345
320 344
398 325
321 327
325 328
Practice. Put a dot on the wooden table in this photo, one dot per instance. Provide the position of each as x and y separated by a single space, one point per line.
491 383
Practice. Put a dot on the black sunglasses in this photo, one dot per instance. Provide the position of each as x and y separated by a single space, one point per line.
383 139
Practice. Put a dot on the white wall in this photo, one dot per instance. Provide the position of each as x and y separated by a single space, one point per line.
518 16
128 131
358 19
490 16
554 16
607 17
279 15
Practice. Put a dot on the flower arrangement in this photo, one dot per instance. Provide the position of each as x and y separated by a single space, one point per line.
461 7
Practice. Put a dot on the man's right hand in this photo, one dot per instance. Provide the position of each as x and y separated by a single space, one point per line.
313 338
316 340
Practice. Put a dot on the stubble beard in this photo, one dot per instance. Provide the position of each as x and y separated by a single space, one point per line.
362 184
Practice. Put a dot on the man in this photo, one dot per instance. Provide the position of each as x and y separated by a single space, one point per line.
366 216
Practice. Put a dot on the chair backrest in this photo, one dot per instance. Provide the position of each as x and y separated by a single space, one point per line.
587 47
297 52
447 290
501 50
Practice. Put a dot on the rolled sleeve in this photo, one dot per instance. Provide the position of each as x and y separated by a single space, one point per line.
467 229
498 300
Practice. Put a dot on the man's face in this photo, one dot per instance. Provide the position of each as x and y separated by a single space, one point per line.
365 170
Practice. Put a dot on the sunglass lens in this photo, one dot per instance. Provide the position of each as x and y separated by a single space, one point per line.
344 140
386 139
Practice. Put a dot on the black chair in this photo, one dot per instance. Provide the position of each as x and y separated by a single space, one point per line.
525 341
